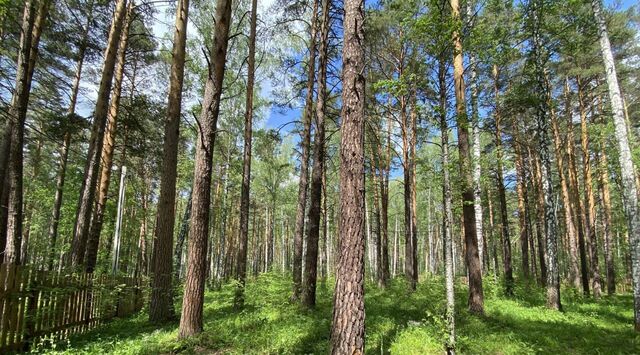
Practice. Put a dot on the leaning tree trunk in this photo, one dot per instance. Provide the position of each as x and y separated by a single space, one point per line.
542 130
347 331
627 168
241 267
191 318
476 297
304 159
161 299
88 188
108 147
313 232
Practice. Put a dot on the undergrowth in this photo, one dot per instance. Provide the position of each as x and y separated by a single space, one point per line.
397 322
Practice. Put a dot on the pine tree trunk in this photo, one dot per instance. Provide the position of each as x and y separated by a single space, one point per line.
589 198
603 177
476 297
347 332
246 165
12 155
542 252
627 168
315 201
161 300
191 318
577 202
502 195
108 146
521 190
88 187
542 130
304 159
574 271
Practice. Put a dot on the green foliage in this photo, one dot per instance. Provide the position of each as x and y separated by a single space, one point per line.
398 322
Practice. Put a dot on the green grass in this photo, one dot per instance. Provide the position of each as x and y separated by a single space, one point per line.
398 322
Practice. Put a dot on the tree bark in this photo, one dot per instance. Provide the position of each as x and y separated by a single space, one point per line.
241 268
627 168
347 332
191 318
88 187
603 177
476 297
161 300
304 159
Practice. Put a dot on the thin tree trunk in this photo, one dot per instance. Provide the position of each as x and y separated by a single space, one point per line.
246 165
66 141
575 200
627 168
192 306
447 215
304 159
502 195
521 190
542 254
88 188
574 271
161 300
347 332
603 177
589 198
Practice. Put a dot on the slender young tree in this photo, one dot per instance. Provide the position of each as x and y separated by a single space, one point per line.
347 330
192 305
161 299
627 168
304 157
315 201
66 140
241 268
476 297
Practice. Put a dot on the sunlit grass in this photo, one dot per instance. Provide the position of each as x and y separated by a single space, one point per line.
397 322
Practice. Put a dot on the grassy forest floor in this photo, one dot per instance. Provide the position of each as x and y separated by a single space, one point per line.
397 321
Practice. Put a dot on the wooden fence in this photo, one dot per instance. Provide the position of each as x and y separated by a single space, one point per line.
41 306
